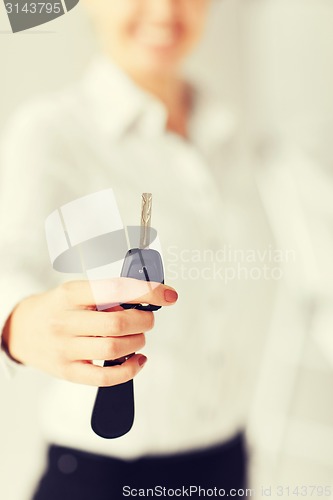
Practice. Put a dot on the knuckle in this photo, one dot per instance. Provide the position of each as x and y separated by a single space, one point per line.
68 290
65 287
64 292
151 321
106 324
142 341
56 325
111 349
117 323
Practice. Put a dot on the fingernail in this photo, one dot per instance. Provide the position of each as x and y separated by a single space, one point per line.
170 295
142 360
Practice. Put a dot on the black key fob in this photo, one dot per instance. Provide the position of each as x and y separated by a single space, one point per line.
145 265
113 413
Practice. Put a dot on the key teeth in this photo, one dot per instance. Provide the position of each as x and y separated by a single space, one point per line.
146 210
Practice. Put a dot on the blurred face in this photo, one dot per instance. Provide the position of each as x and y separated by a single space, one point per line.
149 37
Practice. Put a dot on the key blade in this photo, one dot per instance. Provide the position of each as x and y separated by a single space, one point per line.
147 201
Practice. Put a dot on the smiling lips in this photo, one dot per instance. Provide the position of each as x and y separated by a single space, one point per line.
158 37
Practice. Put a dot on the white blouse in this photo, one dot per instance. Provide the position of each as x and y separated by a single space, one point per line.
203 353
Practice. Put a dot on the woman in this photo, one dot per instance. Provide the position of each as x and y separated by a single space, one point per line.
133 124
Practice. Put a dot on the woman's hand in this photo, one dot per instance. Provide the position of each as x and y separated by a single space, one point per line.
60 331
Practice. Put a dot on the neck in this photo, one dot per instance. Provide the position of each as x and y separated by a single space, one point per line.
172 92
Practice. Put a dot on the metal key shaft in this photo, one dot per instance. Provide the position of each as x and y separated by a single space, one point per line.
146 208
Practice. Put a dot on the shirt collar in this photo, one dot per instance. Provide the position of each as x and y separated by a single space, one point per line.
119 104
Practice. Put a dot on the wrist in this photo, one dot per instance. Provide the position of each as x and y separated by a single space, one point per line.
5 339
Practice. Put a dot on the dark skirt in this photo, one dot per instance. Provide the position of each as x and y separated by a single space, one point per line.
76 475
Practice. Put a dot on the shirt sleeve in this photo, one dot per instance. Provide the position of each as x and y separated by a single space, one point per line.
33 165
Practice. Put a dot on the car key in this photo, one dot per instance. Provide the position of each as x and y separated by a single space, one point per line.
113 413
143 263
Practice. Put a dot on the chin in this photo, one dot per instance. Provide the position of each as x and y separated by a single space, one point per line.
159 63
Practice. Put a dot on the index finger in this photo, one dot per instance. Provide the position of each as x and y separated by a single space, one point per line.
111 292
